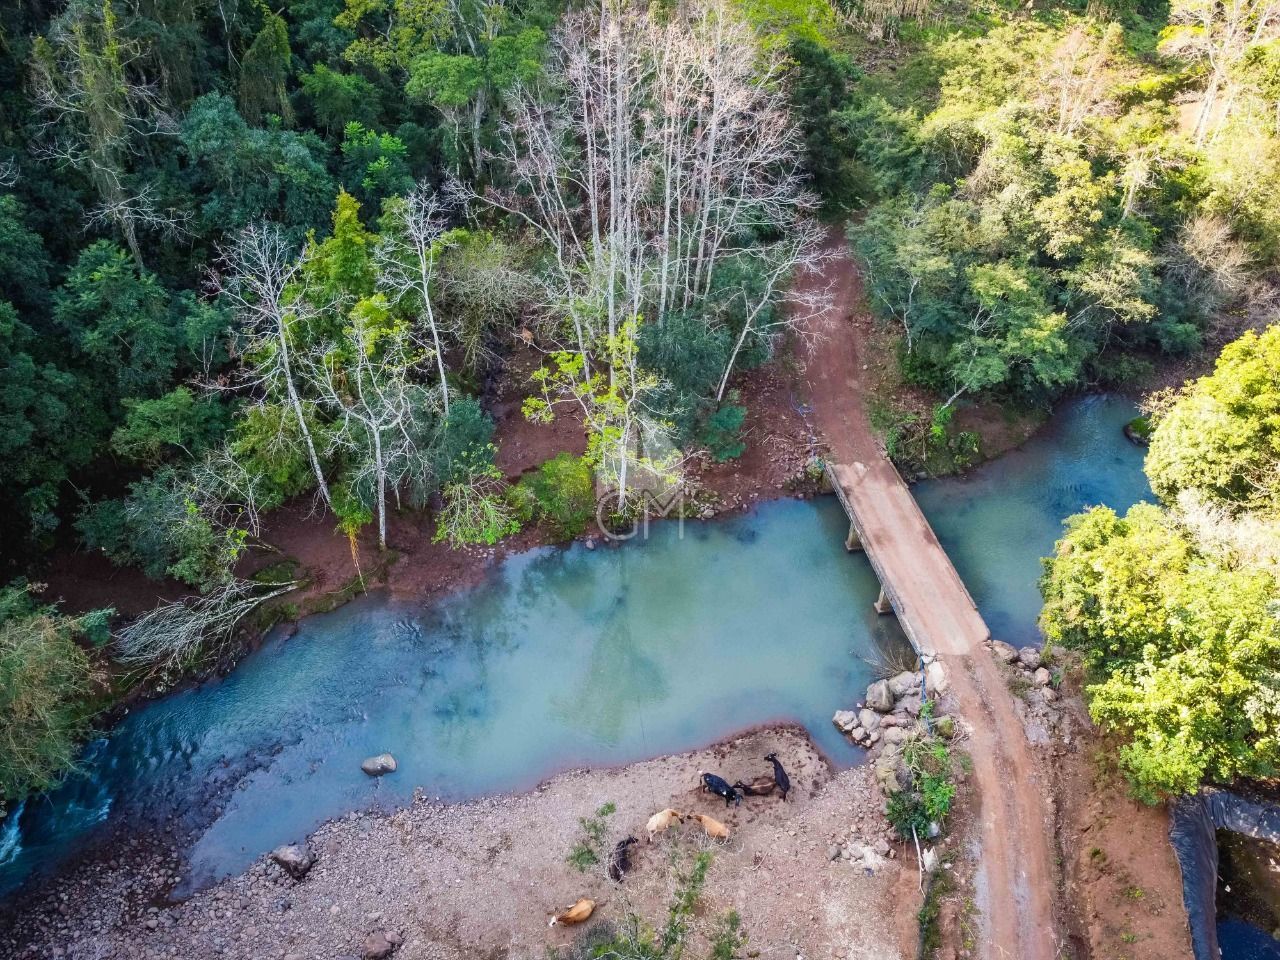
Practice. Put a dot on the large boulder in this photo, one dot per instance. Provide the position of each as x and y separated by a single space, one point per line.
935 678
1029 657
846 720
295 858
879 698
903 684
1041 677
887 775
1004 652
869 720
377 766
895 734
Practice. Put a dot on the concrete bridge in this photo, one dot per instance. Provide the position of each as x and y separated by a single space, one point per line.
1016 875
917 580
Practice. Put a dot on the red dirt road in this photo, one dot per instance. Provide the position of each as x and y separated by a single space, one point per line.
1015 876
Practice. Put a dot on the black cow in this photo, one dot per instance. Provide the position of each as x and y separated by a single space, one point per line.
620 859
779 776
720 787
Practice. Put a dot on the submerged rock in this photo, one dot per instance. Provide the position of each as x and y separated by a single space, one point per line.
377 766
295 858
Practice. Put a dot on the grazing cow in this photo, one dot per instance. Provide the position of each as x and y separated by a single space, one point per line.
620 859
711 827
779 775
576 914
758 787
662 821
720 787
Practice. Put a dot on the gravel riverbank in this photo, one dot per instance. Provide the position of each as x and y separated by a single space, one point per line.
482 878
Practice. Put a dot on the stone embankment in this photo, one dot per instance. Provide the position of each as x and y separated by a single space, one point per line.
897 711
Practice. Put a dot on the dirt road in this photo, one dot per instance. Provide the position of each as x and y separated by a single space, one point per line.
1016 877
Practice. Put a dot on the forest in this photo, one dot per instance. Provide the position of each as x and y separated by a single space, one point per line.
251 255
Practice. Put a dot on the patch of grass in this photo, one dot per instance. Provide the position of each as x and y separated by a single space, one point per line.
927 799
941 884
282 571
589 850
1140 428
1019 684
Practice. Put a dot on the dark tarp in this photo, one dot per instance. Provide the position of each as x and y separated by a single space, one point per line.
1192 831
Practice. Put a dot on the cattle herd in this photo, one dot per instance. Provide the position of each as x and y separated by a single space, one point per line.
619 862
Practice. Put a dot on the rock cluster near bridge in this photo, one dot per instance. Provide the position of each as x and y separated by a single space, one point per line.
1034 676
892 713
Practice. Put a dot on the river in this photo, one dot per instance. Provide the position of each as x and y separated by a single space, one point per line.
565 657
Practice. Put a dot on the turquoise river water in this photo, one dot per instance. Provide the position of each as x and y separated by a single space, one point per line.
565 657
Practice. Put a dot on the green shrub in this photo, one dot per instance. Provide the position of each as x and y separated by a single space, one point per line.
1181 639
464 442
559 494
927 798
722 433
589 850
476 510
44 683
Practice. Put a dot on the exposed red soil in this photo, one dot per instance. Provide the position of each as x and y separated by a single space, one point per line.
1122 879
79 581
779 442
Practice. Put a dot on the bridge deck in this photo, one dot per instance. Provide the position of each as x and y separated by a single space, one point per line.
935 610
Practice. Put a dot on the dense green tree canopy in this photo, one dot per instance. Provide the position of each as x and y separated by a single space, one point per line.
1186 645
1220 439
1175 606
44 676
1044 212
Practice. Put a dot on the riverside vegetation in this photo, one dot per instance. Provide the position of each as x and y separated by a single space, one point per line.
248 256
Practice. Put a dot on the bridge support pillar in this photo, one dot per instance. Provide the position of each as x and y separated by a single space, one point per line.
852 542
882 603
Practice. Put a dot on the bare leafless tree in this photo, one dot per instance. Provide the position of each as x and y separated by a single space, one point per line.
407 258
1219 33
666 152
173 632
366 383
257 273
